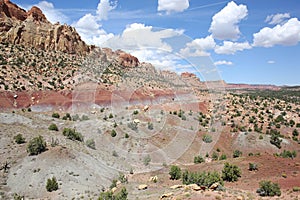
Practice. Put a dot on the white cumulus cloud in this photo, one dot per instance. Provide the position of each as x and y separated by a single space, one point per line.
232 47
224 24
223 62
52 14
140 36
172 5
277 18
286 34
199 47
89 26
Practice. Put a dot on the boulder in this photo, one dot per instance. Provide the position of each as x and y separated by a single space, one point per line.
142 187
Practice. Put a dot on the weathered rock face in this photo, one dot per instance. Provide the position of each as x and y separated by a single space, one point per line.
33 29
123 58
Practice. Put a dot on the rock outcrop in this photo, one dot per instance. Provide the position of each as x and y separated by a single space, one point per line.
32 29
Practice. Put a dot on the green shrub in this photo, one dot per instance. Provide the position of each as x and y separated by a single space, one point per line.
267 188
19 139
237 153
288 154
122 195
91 143
113 133
150 126
201 178
36 146
198 159
253 167
55 115
215 156
296 189
133 126
135 112
231 172
275 140
295 133
223 157
122 178
207 138
147 160
111 116
72 134
53 127
52 184
175 172
113 184
126 135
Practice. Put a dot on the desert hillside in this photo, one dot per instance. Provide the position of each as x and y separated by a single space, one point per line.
86 122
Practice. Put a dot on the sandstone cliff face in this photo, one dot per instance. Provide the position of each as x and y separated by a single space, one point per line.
33 29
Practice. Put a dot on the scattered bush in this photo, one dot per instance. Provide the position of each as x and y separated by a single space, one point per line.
126 135
198 159
19 139
175 172
231 172
113 184
72 134
295 133
275 140
91 143
207 138
288 154
52 184
237 153
150 126
147 160
215 156
36 146
201 178
267 188
135 112
55 115
253 167
122 178
296 189
53 127
113 133
223 157
122 195
133 126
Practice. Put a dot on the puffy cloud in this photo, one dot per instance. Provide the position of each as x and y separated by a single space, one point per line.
223 62
104 7
277 18
52 14
199 47
286 34
172 6
139 36
271 62
89 26
224 24
232 47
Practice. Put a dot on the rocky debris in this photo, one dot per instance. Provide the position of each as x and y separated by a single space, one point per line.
240 198
166 195
214 186
142 187
194 187
153 179
176 186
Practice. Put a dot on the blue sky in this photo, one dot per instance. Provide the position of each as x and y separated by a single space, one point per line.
242 41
